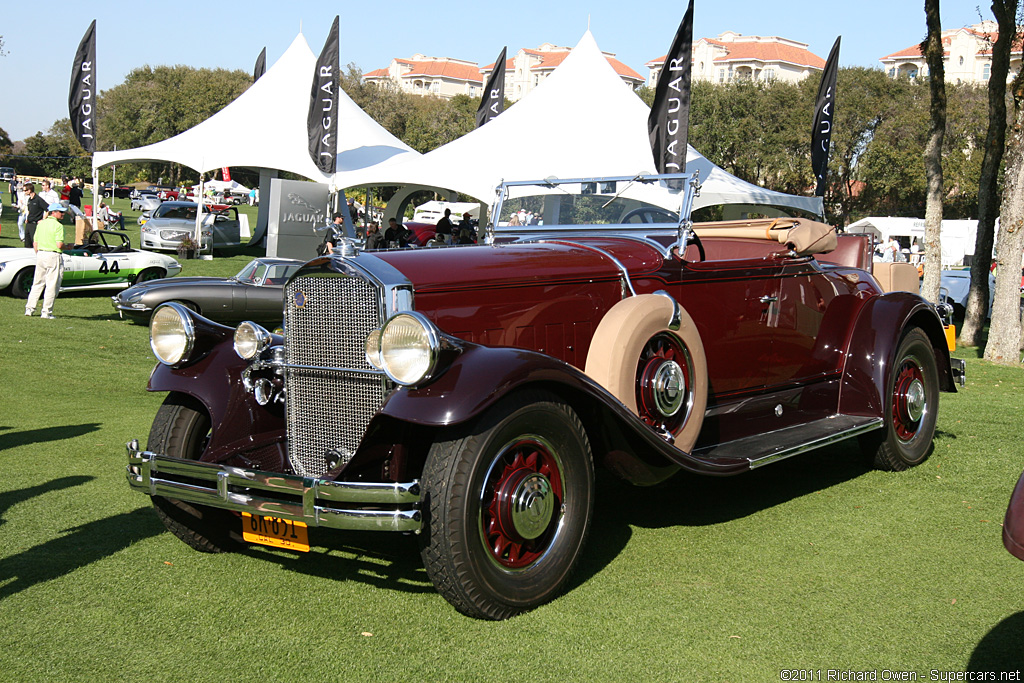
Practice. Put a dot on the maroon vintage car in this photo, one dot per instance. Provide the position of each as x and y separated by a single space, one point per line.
1013 525
467 394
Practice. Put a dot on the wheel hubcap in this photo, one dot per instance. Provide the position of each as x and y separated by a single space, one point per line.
526 505
520 503
669 388
915 400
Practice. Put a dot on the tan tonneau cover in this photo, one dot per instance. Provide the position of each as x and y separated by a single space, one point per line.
805 237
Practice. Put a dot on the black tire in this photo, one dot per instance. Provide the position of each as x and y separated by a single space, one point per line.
488 557
911 407
149 274
181 429
22 283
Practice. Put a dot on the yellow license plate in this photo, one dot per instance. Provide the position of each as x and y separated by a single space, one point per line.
276 532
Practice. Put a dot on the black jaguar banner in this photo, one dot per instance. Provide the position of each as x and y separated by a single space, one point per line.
493 101
322 120
82 95
668 123
824 115
261 66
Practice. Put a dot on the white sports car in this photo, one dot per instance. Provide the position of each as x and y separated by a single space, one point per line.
107 261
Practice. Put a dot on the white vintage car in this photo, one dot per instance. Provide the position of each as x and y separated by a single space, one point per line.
106 261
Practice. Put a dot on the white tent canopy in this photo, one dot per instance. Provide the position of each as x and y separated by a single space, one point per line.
265 127
581 122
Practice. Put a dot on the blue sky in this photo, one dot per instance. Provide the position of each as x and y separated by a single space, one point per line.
35 73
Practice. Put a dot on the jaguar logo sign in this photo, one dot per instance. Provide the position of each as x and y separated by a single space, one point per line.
300 210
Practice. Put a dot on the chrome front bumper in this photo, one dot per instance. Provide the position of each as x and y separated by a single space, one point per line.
364 506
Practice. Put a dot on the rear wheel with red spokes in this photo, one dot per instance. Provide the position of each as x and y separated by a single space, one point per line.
912 402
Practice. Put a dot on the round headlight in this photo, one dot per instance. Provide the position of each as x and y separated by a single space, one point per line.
171 333
373 350
409 344
250 340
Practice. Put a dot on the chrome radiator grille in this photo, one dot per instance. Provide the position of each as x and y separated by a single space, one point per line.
328 410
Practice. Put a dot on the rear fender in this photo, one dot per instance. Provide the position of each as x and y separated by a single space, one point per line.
871 350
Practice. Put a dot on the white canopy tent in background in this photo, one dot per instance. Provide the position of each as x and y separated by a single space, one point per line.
265 127
581 122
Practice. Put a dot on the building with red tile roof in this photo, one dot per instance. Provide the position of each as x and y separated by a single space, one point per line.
967 56
529 67
421 75
733 57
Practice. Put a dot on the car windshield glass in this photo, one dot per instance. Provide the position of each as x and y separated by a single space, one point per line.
252 271
593 209
165 211
279 274
597 201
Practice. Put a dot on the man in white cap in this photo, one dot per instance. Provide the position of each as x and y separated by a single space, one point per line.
48 242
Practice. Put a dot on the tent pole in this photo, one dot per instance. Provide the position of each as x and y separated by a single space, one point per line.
95 198
199 216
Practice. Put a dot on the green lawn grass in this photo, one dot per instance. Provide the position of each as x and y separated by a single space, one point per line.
815 563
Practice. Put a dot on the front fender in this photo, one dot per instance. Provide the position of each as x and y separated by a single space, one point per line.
238 423
480 376
477 378
871 349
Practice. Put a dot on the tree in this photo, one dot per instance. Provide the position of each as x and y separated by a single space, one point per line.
434 121
56 153
1004 337
6 146
933 52
995 143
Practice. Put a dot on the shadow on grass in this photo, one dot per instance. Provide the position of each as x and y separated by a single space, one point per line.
383 560
695 500
392 561
81 546
9 439
1000 649
9 499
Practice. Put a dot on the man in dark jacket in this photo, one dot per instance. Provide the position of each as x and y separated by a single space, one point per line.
36 212
397 233
445 226
375 238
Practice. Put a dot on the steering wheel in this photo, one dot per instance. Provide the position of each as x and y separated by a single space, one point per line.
650 214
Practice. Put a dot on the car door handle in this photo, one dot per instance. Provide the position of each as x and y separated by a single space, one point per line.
767 299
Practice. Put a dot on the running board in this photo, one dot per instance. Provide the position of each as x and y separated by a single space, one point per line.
764 449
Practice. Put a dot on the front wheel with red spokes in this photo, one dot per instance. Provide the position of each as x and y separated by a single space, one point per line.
507 506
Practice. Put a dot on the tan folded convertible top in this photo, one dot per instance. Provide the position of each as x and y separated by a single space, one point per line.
805 237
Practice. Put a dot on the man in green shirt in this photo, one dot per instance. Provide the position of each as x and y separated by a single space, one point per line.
48 242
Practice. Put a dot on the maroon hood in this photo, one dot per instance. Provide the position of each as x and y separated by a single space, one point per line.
472 267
